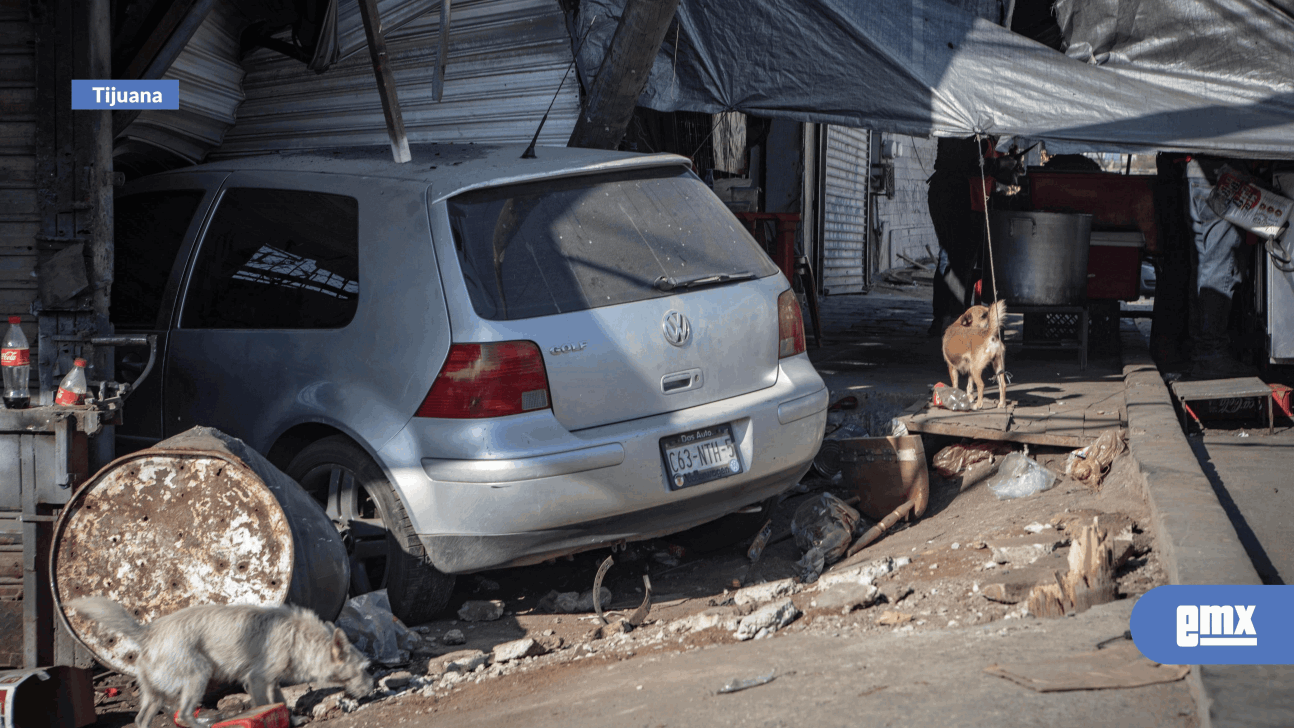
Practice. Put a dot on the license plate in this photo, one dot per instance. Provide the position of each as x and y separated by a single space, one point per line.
700 456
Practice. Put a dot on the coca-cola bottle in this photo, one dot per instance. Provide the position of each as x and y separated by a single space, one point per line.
15 361
72 389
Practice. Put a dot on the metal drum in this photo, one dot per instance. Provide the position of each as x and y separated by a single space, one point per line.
197 519
1041 257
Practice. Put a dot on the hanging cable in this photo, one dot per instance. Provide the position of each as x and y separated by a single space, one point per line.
988 232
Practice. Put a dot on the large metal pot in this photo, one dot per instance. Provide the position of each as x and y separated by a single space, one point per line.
197 519
1041 257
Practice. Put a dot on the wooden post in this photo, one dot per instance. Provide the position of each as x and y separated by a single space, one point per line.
385 80
1089 581
442 53
623 74
98 193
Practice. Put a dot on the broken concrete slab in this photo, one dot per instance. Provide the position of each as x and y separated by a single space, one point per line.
725 618
480 610
761 593
517 649
461 661
1025 549
766 620
863 574
398 680
848 597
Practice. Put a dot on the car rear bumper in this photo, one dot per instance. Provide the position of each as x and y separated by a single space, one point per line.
465 553
604 485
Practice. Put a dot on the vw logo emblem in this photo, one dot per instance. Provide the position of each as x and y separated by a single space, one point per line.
678 330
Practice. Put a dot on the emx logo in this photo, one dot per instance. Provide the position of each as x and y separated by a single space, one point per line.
1215 625
1223 624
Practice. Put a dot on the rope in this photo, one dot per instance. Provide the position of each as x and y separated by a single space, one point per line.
988 228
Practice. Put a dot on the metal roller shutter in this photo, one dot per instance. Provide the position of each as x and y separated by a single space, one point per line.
19 218
845 189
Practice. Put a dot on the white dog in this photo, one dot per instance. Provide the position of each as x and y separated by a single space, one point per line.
259 647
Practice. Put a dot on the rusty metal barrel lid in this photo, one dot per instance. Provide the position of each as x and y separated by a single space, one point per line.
189 522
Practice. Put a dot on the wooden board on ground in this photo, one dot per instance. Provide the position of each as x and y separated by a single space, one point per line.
1072 422
955 428
1117 666
986 419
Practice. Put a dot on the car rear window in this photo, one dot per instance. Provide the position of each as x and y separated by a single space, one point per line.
583 242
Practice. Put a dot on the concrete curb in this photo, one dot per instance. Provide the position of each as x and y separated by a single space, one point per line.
1197 542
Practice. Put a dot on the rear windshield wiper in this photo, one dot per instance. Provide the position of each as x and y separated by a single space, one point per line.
665 283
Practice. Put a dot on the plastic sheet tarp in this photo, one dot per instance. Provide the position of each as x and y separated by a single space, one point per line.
1188 75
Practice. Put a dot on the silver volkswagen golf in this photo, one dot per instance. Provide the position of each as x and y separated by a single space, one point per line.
473 360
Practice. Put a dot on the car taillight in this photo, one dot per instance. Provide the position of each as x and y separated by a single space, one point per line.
488 380
790 326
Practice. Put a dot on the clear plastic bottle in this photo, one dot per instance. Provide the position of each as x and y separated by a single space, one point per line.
952 398
73 387
15 360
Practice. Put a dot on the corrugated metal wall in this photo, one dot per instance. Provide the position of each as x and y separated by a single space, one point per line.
844 233
19 219
395 15
506 59
211 90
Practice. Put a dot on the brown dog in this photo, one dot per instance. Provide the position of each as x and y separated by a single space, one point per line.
972 343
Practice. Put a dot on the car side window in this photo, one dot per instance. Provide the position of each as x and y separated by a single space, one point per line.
277 259
148 230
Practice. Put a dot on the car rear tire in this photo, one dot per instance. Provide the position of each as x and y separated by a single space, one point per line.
380 541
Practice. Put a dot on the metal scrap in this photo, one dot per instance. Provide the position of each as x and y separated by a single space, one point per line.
597 587
736 685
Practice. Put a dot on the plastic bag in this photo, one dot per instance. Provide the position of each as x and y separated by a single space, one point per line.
823 528
848 430
1091 463
1241 200
951 398
370 626
1020 475
957 459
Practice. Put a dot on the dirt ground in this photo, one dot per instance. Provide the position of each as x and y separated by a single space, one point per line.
933 575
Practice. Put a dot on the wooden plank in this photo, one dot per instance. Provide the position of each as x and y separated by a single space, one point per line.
157 38
613 94
935 427
987 419
442 53
1221 389
386 89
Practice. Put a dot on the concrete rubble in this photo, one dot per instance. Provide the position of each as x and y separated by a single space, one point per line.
766 620
517 649
571 602
480 610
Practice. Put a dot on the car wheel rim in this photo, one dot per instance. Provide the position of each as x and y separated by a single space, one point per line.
359 516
